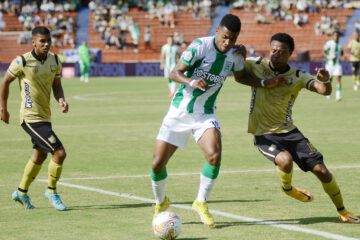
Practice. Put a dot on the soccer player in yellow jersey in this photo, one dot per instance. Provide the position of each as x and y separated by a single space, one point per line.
38 72
354 47
271 123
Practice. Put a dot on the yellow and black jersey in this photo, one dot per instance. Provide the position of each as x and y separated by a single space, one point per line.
354 46
36 78
271 108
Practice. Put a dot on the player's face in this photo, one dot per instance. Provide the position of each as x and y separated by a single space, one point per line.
41 43
225 39
279 54
336 36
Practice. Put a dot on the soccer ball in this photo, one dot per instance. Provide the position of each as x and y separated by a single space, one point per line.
167 225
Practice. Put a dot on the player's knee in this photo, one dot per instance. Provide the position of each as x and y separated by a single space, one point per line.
322 173
284 161
158 164
60 155
214 158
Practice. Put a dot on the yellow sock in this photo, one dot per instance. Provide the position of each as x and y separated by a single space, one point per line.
285 178
354 79
30 172
54 173
333 190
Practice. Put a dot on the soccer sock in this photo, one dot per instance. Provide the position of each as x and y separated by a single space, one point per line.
54 173
207 180
158 182
338 92
354 79
30 172
285 178
172 87
333 190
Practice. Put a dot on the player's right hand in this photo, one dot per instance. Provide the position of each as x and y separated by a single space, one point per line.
5 116
200 84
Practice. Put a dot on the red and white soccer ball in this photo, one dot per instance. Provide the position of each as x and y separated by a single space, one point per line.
167 225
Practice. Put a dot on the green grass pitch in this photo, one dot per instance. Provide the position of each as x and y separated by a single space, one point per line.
109 134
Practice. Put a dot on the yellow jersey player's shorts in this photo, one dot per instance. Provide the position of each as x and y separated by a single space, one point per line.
42 136
178 125
302 151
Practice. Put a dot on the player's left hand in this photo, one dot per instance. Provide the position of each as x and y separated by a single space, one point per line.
322 74
273 82
240 49
64 105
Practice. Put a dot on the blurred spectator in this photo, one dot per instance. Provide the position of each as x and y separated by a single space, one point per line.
68 39
135 34
260 19
147 37
252 51
2 23
300 20
169 15
24 38
92 5
179 39
357 25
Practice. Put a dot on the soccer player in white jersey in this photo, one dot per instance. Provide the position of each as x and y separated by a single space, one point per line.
169 56
333 51
201 71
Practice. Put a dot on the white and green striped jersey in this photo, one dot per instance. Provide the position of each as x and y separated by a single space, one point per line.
334 51
205 61
170 52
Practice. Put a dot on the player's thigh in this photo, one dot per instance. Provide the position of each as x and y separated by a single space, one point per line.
211 145
162 153
304 153
42 136
269 145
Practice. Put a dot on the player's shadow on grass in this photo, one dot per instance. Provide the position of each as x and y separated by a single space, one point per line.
102 207
227 201
304 221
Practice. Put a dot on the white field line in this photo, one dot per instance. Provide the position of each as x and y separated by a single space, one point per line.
219 213
194 173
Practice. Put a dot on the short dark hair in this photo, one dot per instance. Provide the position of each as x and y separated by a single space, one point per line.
284 38
40 30
231 22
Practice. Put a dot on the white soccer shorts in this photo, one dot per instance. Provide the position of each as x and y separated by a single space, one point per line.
177 126
167 70
334 70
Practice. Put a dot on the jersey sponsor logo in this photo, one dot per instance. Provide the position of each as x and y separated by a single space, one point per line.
52 68
28 102
208 77
252 103
288 111
18 61
52 139
290 81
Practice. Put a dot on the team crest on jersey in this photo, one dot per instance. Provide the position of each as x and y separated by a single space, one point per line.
289 81
227 66
52 139
267 74
35 70
53 68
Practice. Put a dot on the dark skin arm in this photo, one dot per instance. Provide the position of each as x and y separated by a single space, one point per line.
177 74
244 78
323 86
59 94
4 95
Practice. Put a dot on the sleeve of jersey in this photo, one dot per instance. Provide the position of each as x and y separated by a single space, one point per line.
191 54
239 65
306 79
249 65
16 67
58 70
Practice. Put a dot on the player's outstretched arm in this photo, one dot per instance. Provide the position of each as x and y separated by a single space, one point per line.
177 74
323 86
4 94
244 78
59 95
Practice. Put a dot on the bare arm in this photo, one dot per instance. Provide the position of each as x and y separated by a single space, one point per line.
245 78
59 94
162 60
4 94
323 86
177 74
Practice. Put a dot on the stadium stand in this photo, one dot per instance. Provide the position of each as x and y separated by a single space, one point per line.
252 34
